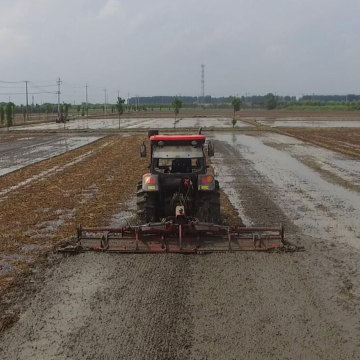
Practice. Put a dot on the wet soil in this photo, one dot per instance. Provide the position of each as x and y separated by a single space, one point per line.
346 141
18 151
303 305
43 203
181 122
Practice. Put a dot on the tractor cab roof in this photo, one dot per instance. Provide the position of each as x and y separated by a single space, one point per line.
178 139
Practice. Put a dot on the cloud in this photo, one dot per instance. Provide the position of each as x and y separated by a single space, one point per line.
20 12
12 42
111 8
284 46
15 33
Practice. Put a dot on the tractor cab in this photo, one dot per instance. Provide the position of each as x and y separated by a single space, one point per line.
178 154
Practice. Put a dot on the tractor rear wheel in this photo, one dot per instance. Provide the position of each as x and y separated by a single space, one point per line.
146 205
209 207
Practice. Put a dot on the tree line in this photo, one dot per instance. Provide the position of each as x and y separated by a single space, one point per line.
269 101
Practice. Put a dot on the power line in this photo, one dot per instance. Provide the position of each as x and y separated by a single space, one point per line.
46 81
42 86
11 82
30 93
11 87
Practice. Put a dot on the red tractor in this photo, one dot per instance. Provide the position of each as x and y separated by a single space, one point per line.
178 202
178 176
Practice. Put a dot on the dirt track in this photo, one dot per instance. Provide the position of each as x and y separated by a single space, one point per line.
220 306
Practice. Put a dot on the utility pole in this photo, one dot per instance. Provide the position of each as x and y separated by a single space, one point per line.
117 106
203 83
86 99
27 100
58 95
105 101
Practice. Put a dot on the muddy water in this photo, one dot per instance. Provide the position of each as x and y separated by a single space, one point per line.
23 151
136 123
293 122
319 203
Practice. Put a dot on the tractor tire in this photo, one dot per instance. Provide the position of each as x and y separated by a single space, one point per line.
138 186
146 205
209 207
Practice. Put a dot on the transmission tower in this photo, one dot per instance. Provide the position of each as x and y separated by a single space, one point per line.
202 83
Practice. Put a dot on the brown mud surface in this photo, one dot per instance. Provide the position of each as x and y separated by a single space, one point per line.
42 204
343 140
302 305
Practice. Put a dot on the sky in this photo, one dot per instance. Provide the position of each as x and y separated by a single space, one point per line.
156 47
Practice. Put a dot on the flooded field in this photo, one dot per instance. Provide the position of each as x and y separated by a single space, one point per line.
278 305
311 122
137 123
317 188
17 152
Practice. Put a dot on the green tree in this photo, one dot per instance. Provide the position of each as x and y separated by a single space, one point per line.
66 112
270 101
83 111
2 114
61 114
120 107
236 104
176 104
9 111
